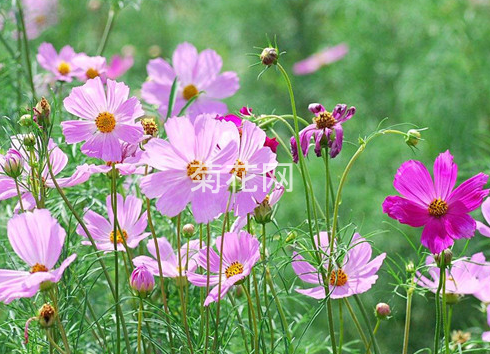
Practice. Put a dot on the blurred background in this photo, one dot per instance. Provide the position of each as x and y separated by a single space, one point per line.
420 62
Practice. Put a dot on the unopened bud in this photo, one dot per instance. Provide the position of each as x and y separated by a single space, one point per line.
382 310
188 230
29 140
269 56
452 298
25 120
14 163
444 258
42 110
142 281
291 237
263 212
410 268
235 184
150 126
412 138
46 316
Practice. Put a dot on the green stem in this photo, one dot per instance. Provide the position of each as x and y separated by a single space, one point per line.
26 48
58 322
368 323
444 313
327 184
116 263
341 329
438 311
208 247
374 333
254 320
20 195
356 323
52 342
406 332
140 316
266 300
107 30
240 322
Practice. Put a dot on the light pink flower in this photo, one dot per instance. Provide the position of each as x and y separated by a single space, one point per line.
169 258
38 239
90 67
356 274
60 65
240 253
129 218
108 119
196 72
324 57
481 227
119 65
39 15
192 168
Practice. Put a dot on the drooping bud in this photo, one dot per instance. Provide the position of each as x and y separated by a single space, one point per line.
29 140
382 311
188 230
150 126
263 212
452 298
14 163
269 56
246 111
271 143
42 113
444 258
25 120
46 315
315 108
412 138
142 281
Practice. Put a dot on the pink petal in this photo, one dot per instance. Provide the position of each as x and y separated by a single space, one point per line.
413 181
316 293
105 146
483 229
470 192
78 130
304 270
184 61
208 66
405 211
434 237
445 174
225 85
460 226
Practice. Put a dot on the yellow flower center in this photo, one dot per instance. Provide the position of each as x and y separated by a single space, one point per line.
105 122
120 238
64 68
92 73
190 91
234 269
40 20
196 170
239 169
338 278
39 268
149 126
438 208
324 120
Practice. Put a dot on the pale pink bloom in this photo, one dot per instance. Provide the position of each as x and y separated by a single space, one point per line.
195 72
90 67
119 65
481 227
169 258
60 65
38 239
129 218
324 57
108 119
39 15
355 275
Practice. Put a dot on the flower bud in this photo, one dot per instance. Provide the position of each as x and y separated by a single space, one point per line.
412 138
235 184
452 298
315 108
46 316
25 120
269 56
246 111
150 126
142 280
188 230
410 268
29 140
444 258
382 311
263 212
291 236
42 112
14 163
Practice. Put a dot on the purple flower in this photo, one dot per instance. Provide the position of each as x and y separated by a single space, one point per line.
435 205
196 72
356 274
169 258
326 130
38 239
142 280
90 67
61 65
240 253
129 218
108 119
324 57
192 168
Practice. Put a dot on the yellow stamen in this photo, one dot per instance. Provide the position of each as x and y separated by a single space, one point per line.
234 269
239 169
39 268
190 91
92 73
119 236
324 120
438 208
338 278
196 170
105 122
64 68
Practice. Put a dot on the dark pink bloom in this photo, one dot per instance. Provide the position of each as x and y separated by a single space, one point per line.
196 72
231 118
326 130
119 65
322 58
61 65
434 204
271 143
246 111
142 280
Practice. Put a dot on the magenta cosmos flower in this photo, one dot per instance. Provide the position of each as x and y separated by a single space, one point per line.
324 57
356 274
463 278
90 67
61 65
108 119
38 239
240 253
195 72
192 169
169 258
129 218
435 205
326 130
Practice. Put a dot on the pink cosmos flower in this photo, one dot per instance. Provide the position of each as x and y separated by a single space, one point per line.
240 253
38 239
169 259
119 65
481 227
196 72
90 67
108 119
129 165
326 56
61 65
326 130
483 291
463 278
435 205
39 15
129 218
142 280
192 168
356 275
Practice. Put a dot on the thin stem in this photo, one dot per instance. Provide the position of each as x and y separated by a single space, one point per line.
26 48
356 323
116 264
375 330
327 192
240 322
140 316
368 323
438 310
107 30
266 300
208 246
52 342
58 322
406 332
20 195
341 327
254 320
444 313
